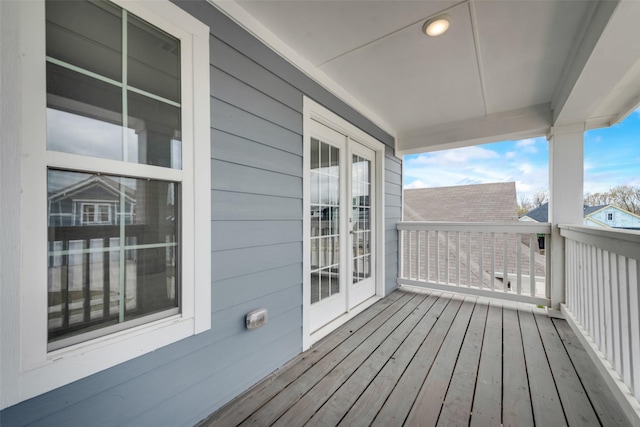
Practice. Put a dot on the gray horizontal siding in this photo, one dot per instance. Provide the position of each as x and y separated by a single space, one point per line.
393 208
231 206
239 178
252 287
227 235
256 202
234 149
233 120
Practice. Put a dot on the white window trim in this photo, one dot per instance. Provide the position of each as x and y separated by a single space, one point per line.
28 369
314 111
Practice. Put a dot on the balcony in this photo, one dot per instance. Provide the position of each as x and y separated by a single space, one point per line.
470 348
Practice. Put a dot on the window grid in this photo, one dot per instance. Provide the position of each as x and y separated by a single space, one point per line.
86 251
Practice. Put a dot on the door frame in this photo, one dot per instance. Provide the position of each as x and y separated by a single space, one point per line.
314 111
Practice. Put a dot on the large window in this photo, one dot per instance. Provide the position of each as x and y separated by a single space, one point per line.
113 92
114 178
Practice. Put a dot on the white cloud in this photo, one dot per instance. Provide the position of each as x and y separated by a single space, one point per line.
525 142
453 157
415 184
511 161
527 145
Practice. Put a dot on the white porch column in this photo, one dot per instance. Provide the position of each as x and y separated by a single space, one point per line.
566 173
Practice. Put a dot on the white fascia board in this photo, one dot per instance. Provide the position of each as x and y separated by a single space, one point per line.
522 123
266 36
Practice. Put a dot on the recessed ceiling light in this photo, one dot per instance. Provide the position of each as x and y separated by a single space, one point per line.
436 26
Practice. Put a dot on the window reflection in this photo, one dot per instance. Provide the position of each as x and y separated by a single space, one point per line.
113 250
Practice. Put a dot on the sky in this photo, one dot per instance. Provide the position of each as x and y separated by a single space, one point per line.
611 158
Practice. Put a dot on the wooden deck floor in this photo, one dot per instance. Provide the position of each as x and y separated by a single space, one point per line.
434 359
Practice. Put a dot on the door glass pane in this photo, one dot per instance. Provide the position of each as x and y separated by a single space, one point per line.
361 208
325 213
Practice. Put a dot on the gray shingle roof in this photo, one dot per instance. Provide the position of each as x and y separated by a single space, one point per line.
541 213
464 203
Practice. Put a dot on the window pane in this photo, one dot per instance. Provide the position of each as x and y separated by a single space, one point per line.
87 35
84 115
153 64
101 272
155 131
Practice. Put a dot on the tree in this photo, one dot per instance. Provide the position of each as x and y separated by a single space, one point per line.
524 206
540 197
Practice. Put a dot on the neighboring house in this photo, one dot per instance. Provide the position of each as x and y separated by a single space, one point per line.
95 200
598 216
197 167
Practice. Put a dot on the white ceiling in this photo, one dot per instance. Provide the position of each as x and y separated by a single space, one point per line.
504 69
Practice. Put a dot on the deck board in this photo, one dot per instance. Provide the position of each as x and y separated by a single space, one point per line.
578 408
380 388
337 406
604 404
426 407
434 359
304 409
545 401
487 402
516 402
396 408
456 409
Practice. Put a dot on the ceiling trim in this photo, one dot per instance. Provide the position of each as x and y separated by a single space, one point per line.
243 18
522 123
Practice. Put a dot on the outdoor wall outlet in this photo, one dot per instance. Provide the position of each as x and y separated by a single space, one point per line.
257 318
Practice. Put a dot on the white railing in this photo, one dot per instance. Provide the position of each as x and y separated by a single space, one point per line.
500 260
603 299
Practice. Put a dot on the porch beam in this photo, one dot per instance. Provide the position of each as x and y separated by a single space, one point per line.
522 123
566 170
601 85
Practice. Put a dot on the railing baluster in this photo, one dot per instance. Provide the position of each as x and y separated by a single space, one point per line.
428 259
468 259
591 289
624 315
410 257
419 260
634 300
106 291
86 287
458 258
505 263
480 262
532 266
608 306
617 353
437 236
446 257
493 261
518 264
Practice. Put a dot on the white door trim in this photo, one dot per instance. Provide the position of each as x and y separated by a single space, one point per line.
314 111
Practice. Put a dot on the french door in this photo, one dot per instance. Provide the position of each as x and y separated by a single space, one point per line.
342 236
